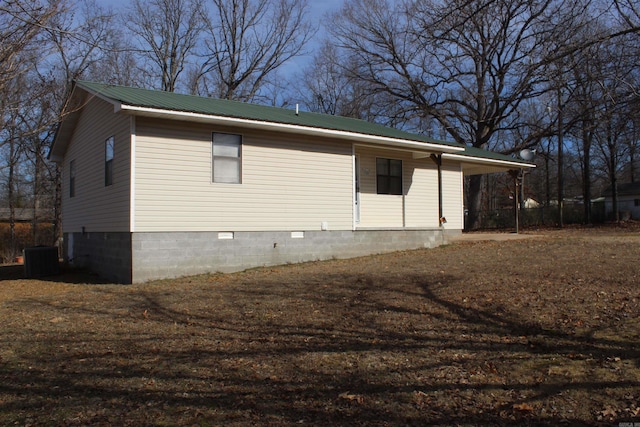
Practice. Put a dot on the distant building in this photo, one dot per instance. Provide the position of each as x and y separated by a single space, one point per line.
628 200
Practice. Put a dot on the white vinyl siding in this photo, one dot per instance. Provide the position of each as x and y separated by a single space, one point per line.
421 202
377 210
453 200
95 207
417 207
287 183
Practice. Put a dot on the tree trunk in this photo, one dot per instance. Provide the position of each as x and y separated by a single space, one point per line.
560 162
10 194
614 185
474 202
586 174
36 196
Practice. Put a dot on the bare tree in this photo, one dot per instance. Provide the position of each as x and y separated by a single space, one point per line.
21 21
12 155
327 86
61 50
246 42
118 64
78 39
168 32
21 25
629 11
618 84
584 110
470 70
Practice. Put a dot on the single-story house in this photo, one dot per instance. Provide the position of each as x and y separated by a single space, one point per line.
159 185
628 200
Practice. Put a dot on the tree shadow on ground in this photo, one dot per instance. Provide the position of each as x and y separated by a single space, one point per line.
332 349
66 275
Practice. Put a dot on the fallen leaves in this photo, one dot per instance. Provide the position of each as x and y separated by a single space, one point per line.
409 338
523 407
354 398
607 413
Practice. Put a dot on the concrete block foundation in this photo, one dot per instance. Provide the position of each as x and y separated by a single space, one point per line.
140 257
107 254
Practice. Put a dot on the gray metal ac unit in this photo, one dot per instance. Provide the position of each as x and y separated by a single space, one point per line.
41 261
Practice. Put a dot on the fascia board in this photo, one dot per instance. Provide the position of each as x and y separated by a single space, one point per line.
117 105
487 161
290 128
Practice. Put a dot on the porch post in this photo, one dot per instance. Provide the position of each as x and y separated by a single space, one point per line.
437 159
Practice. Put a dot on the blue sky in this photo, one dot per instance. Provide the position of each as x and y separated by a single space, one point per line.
318 10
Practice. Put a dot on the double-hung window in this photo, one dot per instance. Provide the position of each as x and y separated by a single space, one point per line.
227 158
109 151
389 176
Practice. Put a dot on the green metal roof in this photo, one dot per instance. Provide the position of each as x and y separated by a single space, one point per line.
222 107
174 102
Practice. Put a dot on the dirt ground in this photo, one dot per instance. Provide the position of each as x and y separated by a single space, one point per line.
537 331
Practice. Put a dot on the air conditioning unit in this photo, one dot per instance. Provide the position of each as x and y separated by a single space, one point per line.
41 261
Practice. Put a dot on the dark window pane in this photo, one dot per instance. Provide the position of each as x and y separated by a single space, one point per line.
395 185
395 168
109 152
108 173
383 184
388 176
382 166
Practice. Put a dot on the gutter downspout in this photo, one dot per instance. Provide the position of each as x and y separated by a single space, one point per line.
437 159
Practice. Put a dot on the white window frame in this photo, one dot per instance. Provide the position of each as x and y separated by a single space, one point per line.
389 176
221 152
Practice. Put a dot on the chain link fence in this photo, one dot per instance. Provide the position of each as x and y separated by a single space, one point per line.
543 216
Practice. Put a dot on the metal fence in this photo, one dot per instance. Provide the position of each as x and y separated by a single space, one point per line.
548 216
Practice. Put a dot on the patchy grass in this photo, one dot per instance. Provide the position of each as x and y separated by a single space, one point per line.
543 331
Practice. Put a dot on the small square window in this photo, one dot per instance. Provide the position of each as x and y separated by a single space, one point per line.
389 176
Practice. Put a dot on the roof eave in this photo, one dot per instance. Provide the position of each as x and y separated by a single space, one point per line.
291 128
70 112
472 165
